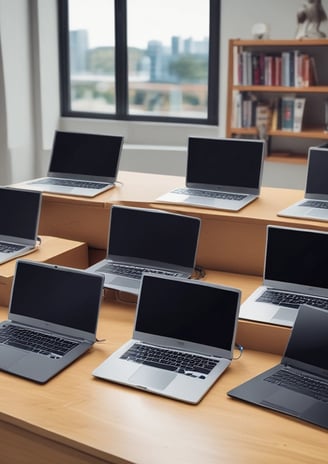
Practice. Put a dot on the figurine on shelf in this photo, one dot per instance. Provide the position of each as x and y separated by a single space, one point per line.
309 19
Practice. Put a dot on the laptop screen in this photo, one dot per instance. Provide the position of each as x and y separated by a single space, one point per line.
225 162
56 295
308 341
20 213
183 310
297 256
86 154
316 180
153 235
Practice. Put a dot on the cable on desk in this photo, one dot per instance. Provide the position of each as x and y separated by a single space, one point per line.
200 272
119 182
241 349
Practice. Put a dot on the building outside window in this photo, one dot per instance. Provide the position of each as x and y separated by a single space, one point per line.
140 59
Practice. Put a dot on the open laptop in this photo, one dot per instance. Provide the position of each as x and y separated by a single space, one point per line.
147 240
52 320
183 339
298 386
81 164
294 274
221 174
314 205
20 213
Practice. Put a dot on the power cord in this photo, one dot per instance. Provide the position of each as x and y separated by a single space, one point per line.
241 349
200 272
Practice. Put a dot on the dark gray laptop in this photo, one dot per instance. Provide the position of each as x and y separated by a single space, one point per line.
221 174
183 339
81 164
52 320
147 240
294 274
298 386
20 213
314 205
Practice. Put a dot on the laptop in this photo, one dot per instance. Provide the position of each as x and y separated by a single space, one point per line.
294 274
183 339
298 386
20 213
221 174
147 240
314 205
52 320
81 164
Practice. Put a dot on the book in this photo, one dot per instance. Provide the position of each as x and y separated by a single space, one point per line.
287 113
299 104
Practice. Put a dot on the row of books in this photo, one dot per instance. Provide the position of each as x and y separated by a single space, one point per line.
289 68
284 113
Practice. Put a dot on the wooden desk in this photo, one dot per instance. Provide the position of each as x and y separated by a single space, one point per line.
87 219
52 250
76 418
232 242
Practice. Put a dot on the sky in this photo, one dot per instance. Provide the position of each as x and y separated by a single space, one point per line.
177 18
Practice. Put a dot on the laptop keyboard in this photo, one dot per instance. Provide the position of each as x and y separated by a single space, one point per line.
315 204
210 194
71 183
300 383
183 363
30 340
134 272
292 300
9 247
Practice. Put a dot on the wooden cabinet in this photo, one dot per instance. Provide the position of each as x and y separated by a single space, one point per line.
262 73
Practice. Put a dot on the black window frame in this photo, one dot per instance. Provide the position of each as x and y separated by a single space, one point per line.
121 70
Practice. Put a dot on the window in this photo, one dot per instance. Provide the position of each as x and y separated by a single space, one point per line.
146 60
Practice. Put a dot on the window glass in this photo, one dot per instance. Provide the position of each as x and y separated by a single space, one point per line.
91 55
168 49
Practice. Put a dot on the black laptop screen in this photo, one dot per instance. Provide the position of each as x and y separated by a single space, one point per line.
86 154
225 162
297 256
187 311
56 295
308 342
19 213
316 180
153 235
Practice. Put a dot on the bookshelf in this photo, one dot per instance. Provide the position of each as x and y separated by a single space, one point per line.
263 75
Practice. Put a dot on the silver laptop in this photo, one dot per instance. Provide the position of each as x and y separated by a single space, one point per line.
221 174
314 205
298 386
52 320
294 274
81 164
147 240
182 342
20 213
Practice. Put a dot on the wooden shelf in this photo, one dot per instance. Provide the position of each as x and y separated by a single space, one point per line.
282 43
281 89
306 133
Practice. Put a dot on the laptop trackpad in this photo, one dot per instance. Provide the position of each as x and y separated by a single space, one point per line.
9 356
285 316
149 377
122 282
317 213
289 402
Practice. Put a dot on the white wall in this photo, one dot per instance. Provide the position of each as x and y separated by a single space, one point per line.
29 94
